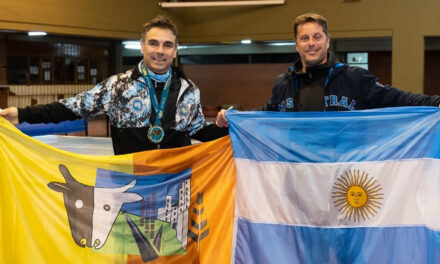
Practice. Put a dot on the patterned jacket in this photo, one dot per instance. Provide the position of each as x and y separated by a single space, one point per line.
125 99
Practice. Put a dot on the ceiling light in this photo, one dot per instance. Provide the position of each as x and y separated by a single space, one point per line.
282 44
132 44
194 3
37 33
246 41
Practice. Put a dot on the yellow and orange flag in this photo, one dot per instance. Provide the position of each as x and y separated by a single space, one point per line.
161 206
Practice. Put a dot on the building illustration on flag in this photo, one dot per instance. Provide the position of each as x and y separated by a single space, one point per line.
166 206
93 211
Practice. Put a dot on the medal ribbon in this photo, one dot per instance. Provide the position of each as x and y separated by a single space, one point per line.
159 109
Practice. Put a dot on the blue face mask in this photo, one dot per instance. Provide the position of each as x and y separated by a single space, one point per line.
159 77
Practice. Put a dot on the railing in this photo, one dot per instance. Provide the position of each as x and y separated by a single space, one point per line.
25 95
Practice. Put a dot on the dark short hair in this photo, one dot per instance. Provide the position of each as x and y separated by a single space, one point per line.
310 17
161 22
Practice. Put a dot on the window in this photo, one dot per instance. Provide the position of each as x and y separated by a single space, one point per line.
359 59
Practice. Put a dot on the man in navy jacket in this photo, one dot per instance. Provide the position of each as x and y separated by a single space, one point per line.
319 82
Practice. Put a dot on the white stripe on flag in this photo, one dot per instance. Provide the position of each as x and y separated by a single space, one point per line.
301 194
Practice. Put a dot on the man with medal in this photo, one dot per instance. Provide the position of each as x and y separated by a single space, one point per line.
151 106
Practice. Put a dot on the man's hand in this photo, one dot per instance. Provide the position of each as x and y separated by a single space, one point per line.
11 114
221 120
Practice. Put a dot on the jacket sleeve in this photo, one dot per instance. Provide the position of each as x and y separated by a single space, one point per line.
48 113
199 128
211 132
197 119
281 84
379 95
92 102
82 105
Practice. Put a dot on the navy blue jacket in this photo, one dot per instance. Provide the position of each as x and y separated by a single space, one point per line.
346 88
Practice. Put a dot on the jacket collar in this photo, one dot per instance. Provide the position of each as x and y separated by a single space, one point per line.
177 73
332 61
136 73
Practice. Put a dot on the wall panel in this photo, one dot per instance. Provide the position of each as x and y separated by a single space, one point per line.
248 85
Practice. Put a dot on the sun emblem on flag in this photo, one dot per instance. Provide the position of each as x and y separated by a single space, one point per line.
357 196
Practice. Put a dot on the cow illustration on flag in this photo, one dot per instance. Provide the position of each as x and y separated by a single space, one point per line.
337 187
164 206
94 211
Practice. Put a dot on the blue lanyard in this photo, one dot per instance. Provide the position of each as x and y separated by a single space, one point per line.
159 109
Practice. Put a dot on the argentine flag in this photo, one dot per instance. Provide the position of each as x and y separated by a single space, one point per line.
337 187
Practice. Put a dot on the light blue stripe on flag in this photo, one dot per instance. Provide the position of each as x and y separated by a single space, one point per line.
283 244
380 134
